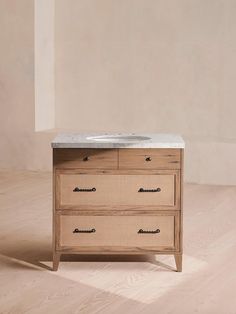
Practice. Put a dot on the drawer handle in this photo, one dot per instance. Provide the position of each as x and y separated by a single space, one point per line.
77 189
84 231
149 231
149 190
86 158
148 158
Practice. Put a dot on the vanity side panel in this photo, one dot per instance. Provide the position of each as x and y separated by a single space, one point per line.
181 199
55 226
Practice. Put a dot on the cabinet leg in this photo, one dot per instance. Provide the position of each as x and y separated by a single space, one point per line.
178 262
56 260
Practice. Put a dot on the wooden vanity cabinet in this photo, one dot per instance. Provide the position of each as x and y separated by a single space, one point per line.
117 201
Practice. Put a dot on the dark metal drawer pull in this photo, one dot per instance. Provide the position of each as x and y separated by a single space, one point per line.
86 158
149 190
149 231
148 158
77 189
84 231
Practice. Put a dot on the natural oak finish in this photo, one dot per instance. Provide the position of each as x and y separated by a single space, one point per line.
56 260
118 231
151 158
116 190
115 205
178 261
82 172
85 158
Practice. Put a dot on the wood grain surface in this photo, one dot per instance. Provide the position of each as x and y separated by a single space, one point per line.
116 190
149 158
85 158
118 231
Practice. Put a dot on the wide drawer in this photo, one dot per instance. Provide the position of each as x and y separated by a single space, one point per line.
154 158
76 190
119 231
85 158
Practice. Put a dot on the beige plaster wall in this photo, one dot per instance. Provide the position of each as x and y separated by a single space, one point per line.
20 146
147 65
44 64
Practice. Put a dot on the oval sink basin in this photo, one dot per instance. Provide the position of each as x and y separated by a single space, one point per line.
118 138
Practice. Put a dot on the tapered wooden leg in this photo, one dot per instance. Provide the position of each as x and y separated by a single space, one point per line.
178 262
56 260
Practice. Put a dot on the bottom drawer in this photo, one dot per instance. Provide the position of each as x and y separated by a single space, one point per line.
119 231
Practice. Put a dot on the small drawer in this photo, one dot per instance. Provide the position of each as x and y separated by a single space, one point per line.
158 190
85 158
154 158
119 231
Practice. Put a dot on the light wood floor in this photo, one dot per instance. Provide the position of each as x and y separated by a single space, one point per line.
115 284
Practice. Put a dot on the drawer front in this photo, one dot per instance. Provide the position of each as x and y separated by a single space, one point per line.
76 190
85 158
119 231
162 158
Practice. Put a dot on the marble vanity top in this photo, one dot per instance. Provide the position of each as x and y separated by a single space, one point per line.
117 140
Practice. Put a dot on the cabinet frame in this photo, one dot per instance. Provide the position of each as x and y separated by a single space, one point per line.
103 210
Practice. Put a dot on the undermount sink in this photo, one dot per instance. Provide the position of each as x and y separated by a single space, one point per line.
118 138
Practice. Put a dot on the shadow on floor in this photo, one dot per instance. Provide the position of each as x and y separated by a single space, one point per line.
36 253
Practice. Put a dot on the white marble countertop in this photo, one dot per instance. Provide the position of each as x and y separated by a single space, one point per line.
117 140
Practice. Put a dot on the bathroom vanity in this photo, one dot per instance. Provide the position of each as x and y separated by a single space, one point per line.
117 194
